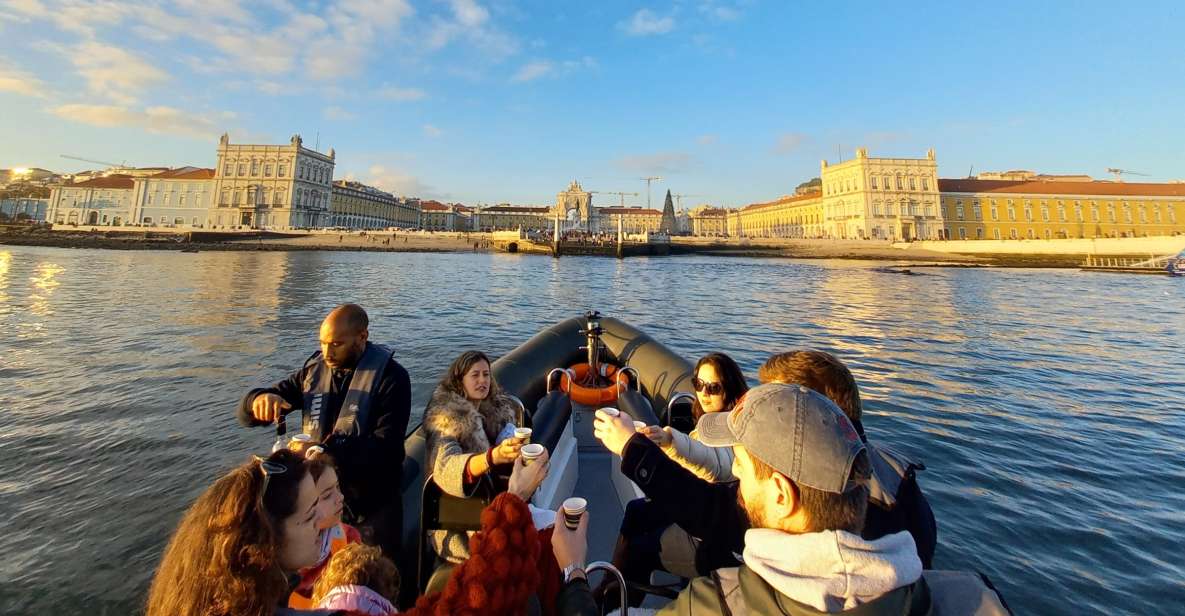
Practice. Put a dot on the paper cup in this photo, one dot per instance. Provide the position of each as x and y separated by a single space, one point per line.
523 433
639 426
573 508
530 452
610 411
300 442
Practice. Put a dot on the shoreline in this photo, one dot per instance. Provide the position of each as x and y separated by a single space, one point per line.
480 243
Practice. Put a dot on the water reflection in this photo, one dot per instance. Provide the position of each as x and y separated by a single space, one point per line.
45 282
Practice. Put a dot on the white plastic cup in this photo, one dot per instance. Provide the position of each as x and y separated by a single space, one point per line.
530 452
639 426
610 411
523 433
300 442
573 508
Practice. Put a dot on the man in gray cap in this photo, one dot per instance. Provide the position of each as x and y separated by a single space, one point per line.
804 474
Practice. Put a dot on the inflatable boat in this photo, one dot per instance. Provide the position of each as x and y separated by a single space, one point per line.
560 377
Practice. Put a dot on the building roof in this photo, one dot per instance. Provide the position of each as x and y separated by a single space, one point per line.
186 173
629 210
517 209
1116 189
433 206
110 181
783 201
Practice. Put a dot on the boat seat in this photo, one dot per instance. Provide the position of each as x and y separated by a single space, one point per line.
439 578
442 511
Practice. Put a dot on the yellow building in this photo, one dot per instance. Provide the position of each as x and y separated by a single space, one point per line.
358 206
708 221
633 219
1002 209
506 217
881 198
798 216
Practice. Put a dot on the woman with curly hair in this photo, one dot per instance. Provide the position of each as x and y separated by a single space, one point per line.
237 545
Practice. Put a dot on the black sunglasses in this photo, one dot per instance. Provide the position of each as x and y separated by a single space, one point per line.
268 468
712 389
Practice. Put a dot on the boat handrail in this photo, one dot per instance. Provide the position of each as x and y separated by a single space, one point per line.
601 565
677 397
637 378
568 371
520 412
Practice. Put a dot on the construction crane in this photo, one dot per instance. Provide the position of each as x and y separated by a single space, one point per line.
1120 172
649 179
90 160
614 192
679 199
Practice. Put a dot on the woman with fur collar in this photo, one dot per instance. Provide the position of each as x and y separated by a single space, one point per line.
465 418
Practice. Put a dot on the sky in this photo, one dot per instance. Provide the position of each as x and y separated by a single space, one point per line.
490 101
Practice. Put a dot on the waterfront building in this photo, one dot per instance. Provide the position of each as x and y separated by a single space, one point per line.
178 197
437 216
881 198
1003 209
798 216
357 206
24 208
271 186
506 217
99 201
708 221
633 219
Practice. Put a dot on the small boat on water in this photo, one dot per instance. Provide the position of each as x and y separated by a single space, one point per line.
561 376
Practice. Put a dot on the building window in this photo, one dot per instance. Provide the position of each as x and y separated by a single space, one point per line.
1156 213
898 182
1044 212
1127 213
1028 211
282 170
147 220
976 211
1077 211
267 170
227 169
995 212
872 182
1094 211
962 233
925 184
1111 211
996 233
225 200
1143 213
242 169
913 184
1011 211
979 233
150 198
254 167
959 210
278 198
1032 234
1172 213
181 199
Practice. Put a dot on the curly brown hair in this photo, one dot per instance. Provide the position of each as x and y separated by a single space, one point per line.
223 558
358 564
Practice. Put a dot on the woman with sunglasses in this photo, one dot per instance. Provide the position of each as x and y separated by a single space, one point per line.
719 384
240 542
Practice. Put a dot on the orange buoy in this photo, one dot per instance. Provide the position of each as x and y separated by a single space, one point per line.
591 396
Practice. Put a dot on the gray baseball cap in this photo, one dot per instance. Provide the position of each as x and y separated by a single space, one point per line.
797 431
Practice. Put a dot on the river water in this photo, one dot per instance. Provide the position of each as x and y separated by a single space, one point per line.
1047 405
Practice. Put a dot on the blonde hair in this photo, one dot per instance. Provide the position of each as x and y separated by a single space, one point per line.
358 564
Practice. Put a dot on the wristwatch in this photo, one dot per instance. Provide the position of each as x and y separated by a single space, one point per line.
573 569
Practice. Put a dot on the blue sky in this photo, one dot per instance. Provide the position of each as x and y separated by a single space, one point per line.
486 101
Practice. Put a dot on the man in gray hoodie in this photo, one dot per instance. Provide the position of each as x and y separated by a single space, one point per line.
804 476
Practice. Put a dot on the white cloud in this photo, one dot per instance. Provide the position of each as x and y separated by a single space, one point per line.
721 11
158 120
660 162
17 81
397 182
112 72
337 113
646 22
431 131
394 93
789 142
533 70
707 139
470 21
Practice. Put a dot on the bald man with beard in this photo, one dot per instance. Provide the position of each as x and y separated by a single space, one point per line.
355 400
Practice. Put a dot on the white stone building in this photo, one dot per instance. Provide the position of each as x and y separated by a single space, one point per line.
271 186
179 197
882 198
104 201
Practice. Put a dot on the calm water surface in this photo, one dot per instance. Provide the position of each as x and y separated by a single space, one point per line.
1048 405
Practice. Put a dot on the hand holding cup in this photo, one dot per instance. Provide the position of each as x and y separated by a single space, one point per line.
613 428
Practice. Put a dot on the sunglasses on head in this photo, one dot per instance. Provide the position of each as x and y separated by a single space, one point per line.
712 389
268 468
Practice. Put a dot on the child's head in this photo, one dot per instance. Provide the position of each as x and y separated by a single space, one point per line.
330 501
358 564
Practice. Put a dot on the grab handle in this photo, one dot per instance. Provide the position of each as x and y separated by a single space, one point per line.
628 370
601 565
675 399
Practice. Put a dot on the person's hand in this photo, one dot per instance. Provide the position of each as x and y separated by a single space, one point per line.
570 546
507 451
661 436
613 431
268 407
525 478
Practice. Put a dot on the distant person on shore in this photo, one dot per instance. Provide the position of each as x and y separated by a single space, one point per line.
896 500
470 426
355 400
237 544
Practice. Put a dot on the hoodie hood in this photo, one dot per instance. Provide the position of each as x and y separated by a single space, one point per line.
357 600
832 571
